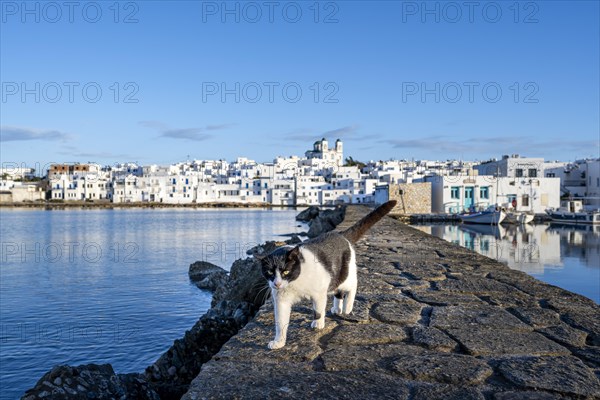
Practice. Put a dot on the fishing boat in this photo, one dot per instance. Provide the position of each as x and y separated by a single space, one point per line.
573 212
491 216
518 218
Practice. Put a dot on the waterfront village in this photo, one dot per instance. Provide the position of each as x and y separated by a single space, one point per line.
322 177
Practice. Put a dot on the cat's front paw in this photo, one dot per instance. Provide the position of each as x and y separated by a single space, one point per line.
276 344
317 324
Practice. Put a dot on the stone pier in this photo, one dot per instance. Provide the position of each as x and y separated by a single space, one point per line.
431 320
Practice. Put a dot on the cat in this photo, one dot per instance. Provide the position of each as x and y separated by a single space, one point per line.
312 270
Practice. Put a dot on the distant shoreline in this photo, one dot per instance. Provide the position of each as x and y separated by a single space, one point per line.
82 204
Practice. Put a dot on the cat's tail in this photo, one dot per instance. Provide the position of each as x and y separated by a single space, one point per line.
357 230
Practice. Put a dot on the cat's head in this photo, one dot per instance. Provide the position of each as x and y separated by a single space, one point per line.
281 267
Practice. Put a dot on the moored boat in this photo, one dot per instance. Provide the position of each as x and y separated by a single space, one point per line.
572 212
491 216
518 218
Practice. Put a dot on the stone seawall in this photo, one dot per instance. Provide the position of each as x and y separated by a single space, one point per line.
432 320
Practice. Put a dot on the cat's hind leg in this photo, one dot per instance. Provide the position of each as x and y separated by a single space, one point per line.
319 306
338 298
349 300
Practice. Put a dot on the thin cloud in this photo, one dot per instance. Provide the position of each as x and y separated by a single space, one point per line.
14 134
309 135
72 152
490 145
343 131
188 133
195 134
218 127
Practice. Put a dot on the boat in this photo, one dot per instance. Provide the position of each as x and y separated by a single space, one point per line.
491 216
518 218
573 212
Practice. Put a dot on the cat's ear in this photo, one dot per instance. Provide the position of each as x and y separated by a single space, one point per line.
294 253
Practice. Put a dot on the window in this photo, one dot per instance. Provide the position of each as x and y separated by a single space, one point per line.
519 173
455 192
550 175
525 200
532 173
484 193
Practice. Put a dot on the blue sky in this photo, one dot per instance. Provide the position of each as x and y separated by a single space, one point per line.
391 79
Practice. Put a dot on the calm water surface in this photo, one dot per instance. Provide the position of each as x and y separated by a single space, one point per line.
110 286
561 255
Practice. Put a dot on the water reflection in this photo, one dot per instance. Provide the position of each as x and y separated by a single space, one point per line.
564 255
110 286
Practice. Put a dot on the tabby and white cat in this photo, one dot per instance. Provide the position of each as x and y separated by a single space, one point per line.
312 270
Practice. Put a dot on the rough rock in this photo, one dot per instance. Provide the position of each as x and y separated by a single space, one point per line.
90 381
271 245
476 315
283 381
442 368
510 395
246 284
366 334
171 374
326 221
399 310
564 334
446 392
309 214
558 374
433 338
490 341
536 317
371 357
437 298
207 276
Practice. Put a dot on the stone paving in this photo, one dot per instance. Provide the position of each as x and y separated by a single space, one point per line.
432 320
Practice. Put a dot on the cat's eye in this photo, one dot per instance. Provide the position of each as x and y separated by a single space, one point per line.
285 273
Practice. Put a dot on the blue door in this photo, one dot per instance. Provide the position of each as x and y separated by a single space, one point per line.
469 200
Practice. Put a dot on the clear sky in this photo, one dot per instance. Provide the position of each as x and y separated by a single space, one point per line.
212 80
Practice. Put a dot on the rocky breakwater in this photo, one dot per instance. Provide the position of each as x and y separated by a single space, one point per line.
237 297
321 221
432 320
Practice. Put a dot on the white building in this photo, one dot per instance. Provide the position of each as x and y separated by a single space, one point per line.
513 166
454 194
79 182
325 156
579 179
